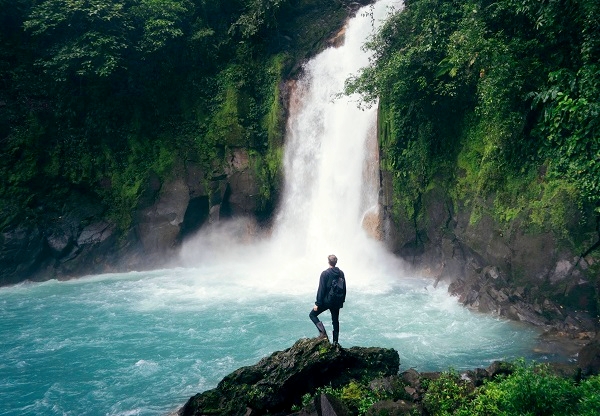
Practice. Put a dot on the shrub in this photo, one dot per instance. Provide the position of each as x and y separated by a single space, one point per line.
445 394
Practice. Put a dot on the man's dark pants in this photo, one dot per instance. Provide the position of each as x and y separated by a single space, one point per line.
335 315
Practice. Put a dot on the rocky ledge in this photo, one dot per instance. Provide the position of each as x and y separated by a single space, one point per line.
300 381
277 383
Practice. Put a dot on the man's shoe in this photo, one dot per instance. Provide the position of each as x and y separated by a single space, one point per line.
322 332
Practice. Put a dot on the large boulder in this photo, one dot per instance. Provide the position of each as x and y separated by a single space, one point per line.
158 225
20 253
278 382
588 359
242 193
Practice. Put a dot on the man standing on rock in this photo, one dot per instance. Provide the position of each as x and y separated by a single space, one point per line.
330 295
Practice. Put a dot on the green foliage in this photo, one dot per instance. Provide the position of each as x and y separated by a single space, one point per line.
445 394
571 110
306 400
225 126
161 21
87 38
531 389
269 166
97 94
589 400
273 121
259 14
499 99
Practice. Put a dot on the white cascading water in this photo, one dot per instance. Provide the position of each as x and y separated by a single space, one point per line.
331 170
330 196
326 192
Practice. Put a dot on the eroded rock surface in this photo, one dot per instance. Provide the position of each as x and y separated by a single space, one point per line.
279 381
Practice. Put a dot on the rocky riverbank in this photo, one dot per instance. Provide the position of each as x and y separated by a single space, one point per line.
502 268
301 381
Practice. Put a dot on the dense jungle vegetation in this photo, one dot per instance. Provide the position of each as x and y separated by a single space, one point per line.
495 101
95 94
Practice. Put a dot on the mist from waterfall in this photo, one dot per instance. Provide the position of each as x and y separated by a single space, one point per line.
331 179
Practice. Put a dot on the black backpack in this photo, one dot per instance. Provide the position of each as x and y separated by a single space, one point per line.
337 288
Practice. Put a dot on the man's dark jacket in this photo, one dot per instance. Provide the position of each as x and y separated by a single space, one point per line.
324 285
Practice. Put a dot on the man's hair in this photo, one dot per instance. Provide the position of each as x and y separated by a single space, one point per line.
332 259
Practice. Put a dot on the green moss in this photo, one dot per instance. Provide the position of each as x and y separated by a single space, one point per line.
274 121
225 127
267 168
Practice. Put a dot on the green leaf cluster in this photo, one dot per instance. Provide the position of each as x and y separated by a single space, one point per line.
100 94
530 389
446 394
492 100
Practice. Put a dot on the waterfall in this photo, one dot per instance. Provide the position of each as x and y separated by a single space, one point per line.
330 198
329 203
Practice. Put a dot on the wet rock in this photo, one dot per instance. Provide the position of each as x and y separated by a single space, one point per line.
412 392
279 381
21 250
477 376
411 377
589 358
393 408
561 270
498 368
389 384
158 226
58 242
95 233
241 196
328 405
195 181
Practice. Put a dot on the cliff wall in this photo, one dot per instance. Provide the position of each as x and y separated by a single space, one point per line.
110 171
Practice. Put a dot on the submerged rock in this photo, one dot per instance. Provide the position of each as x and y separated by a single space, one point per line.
278 382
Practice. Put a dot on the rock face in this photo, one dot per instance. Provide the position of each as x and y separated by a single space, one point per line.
589 358
278 382
21 249
499 268
78 239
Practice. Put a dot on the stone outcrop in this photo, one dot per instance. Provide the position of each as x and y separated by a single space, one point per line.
589 358
21 249
278 382
79 239
501 269
312 378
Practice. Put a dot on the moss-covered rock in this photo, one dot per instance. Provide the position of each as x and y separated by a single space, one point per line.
278 382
